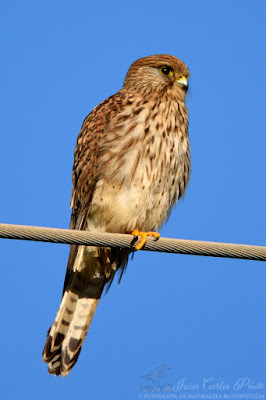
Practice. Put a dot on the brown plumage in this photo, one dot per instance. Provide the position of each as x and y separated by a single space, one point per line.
131 165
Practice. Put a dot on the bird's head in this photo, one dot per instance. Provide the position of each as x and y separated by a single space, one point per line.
157 74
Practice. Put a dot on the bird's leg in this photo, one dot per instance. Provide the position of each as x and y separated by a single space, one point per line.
144 237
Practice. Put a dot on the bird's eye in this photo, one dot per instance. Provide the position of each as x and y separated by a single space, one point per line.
167 71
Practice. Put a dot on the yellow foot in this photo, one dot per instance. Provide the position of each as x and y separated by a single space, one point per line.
144 237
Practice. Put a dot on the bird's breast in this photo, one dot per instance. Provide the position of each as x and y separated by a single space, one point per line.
146 169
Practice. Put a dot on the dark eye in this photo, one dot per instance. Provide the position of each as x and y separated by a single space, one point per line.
167 71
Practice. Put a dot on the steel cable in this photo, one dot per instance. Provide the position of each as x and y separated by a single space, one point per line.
178 246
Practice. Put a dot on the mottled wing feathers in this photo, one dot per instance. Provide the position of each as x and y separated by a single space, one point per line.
89 148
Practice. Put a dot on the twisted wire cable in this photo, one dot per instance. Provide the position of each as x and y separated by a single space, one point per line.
178 246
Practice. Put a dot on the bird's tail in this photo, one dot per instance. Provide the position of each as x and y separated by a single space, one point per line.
80 299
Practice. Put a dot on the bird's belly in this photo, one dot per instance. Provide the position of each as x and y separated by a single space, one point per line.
126 209
143 204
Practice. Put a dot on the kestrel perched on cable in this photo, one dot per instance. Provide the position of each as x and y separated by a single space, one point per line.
131 165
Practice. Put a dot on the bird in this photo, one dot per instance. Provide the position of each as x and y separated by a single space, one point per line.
131 165
157 374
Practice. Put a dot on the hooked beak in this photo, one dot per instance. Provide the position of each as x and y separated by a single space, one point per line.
183 82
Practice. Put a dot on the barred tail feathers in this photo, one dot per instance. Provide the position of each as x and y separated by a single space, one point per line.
81 297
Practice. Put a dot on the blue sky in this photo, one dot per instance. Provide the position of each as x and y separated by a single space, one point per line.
202 317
